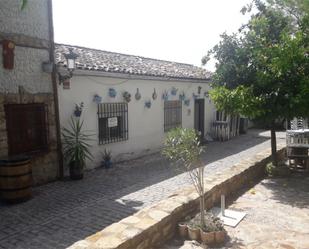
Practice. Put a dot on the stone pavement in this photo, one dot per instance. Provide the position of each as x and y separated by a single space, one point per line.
66 211
277 217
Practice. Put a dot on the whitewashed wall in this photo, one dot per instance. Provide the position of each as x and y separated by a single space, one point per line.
146 126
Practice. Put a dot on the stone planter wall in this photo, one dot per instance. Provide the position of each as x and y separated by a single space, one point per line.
154 225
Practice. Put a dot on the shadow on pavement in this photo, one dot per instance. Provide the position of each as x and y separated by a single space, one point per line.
63 212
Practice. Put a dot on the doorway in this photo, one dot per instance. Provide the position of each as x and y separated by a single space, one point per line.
199 116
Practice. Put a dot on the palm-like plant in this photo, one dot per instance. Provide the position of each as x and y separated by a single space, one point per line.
76 146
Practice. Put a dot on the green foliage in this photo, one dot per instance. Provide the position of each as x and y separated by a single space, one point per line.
270 169
238 100
263 70
182 146
76 142
281 170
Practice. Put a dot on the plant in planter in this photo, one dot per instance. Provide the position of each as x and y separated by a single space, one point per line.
148 104
281 170
127 96
194 230
213 232
97 99
165 95
182 96
107 159
174 91
187 102
183 227
112 92
78 109
182 146
76 147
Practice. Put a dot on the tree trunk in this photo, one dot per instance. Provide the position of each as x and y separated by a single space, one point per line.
273 145
202 202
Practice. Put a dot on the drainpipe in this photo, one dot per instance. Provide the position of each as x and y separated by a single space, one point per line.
55 87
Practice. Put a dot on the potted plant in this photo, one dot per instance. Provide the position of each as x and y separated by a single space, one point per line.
112 92
213 231
194 230
182 96
127 96
183 229
148 104
97 99
107 159
78 109
187 102
165 95
76 147
174 91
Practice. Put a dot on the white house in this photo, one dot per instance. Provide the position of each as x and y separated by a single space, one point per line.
164 94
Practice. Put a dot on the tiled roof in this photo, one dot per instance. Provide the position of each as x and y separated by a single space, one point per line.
99 60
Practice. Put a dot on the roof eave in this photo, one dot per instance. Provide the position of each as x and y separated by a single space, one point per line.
96 73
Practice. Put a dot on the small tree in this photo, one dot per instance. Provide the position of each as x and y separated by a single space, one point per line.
263 70
182 146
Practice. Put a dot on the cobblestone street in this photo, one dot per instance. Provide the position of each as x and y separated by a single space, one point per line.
63 212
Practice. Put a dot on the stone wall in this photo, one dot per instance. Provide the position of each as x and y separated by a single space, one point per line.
154 225
32 20
26 82
45 165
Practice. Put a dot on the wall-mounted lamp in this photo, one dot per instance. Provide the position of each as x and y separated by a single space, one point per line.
70 59
199 90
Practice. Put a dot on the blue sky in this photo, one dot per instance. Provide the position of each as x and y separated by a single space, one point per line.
176 30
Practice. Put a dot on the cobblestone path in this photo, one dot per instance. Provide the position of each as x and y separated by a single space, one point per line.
63 212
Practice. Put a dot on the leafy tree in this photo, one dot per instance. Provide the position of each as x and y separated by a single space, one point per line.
263 70
183 147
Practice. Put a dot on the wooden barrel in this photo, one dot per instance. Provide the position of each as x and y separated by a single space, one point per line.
15 179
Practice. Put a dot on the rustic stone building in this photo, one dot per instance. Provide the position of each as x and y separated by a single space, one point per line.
28 95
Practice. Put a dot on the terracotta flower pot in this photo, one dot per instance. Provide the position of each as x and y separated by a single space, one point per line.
220 236
194 233
183 230
207 237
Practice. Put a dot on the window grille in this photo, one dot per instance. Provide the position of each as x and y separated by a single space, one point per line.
113 122
172 114
27 128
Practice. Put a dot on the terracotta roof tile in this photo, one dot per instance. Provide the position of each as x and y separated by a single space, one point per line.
99 60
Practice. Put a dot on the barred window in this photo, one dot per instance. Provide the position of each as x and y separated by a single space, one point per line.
27 128
113 122
172 114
